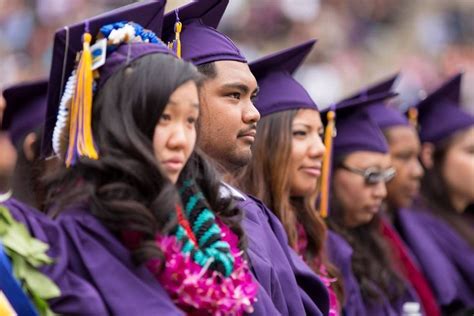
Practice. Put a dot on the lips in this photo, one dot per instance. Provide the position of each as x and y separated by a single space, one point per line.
312 170
173 164
248 135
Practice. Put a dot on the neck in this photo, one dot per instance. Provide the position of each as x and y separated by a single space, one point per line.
459 203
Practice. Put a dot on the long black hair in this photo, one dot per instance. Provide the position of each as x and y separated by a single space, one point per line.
434 191
126 188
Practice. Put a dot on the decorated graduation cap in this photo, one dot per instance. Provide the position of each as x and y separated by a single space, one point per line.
26 108
355 130
382 114
440 114
191 32
279 91
121 36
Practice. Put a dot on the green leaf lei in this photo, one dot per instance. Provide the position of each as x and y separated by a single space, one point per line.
27 254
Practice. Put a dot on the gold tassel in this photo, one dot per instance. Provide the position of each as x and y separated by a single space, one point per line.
177 30
81 142
413 116
326 170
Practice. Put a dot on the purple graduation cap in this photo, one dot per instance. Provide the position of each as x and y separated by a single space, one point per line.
279 91
68 42
356 130
382 114
377 89
192 30
440 114
26 108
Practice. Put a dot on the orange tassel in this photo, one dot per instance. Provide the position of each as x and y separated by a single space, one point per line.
413 116
81 142
326 169
177 29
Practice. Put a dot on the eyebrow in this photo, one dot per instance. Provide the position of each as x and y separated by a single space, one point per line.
172 102
239 86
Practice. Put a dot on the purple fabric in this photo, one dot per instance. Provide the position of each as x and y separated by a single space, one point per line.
355 129
340 254
68 42
201 43
279 91
26 108
292 286
100 258
445 257
385 116
78 297
440 114
358 132
125 54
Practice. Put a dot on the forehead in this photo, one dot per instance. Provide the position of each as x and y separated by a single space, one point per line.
235 72
308 117
365 159
464 137
402 135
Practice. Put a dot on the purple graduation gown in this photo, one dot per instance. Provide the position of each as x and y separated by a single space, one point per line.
100 258
78 297
340 254
446 258
291 284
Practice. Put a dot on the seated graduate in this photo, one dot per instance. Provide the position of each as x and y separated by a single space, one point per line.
227 127
287 161
404 148
360 169
35 278
439 224
126 135
23 120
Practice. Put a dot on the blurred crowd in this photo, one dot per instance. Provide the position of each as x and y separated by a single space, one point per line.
359 41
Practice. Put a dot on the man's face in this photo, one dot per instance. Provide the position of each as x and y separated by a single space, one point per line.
228 120
404 151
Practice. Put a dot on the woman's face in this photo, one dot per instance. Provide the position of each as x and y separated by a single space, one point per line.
361 197
175 134
404 152
458 168
307 152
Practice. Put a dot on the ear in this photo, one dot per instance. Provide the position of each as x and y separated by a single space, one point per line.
426 155
29 146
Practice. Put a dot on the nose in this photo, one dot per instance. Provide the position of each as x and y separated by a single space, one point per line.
250 114
177 138
317 149
380 190
418 171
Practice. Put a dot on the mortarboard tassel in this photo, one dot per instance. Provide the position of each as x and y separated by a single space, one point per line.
326 170
81 142
413 116
178 26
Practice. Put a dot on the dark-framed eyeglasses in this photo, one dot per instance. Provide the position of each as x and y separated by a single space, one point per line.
373 175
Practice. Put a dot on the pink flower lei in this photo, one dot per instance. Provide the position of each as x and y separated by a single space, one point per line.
200 291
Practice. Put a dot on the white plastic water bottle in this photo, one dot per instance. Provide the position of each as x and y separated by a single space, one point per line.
411 309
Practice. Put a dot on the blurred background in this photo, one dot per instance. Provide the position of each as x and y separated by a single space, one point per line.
359 42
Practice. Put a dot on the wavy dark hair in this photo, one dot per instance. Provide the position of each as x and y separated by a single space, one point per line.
126 188
371 261
267 177
434 192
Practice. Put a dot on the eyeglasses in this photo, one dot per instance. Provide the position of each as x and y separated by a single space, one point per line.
372 175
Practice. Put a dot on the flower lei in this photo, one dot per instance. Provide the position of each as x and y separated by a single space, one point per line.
202 279
27 255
